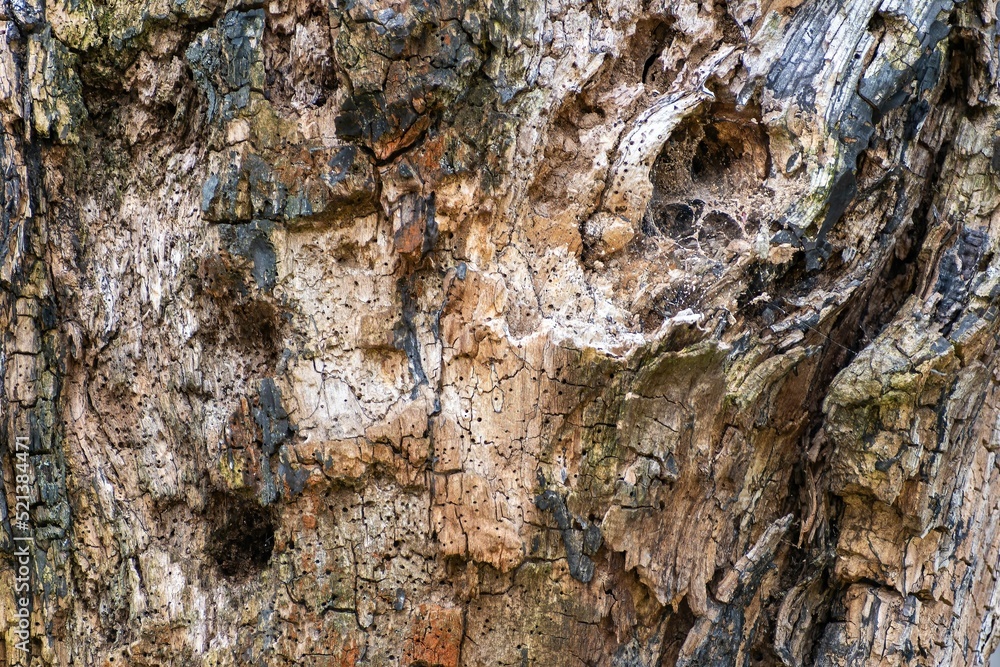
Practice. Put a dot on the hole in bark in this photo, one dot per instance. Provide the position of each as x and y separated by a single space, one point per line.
242 535
676 220
645 69
717 228
714 155
678 625
730 154
647 45
708 181
709 199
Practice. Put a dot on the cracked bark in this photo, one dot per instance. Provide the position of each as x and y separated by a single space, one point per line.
467 333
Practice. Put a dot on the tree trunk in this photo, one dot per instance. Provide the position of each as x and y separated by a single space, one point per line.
499 333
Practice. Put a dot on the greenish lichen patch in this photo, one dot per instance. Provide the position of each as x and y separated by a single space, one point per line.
57 105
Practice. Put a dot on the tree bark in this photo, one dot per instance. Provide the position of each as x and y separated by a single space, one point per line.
499 333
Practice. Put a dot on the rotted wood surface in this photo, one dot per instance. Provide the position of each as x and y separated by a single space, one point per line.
501 332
